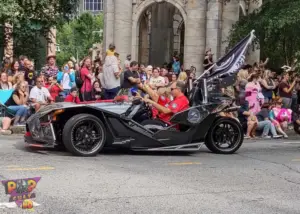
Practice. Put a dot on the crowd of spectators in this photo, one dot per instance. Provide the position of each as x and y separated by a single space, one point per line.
78 82
268 102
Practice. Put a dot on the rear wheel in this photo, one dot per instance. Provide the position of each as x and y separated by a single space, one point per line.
225 136
84 135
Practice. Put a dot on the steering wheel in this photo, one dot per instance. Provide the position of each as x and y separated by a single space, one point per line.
139 111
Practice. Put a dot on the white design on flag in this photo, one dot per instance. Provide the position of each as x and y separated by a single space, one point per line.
231 63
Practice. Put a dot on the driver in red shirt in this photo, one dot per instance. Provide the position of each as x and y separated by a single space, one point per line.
180 103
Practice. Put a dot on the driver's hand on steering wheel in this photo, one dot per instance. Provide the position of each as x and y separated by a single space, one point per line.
146 100
138 95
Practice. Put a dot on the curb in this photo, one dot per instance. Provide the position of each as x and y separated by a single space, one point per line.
18 129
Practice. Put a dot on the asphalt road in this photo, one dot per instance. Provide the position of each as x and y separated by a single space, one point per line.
263 177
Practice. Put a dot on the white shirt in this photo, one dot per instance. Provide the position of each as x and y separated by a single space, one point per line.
126 64
111 67
40 94
157 81
66 81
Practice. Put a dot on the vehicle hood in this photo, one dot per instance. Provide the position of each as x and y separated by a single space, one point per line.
116 108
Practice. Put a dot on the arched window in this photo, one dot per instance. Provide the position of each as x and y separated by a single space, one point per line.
93 5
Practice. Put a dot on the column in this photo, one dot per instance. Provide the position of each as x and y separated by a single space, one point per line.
214 27
254 53
123 27
8 41
230 16
195 35
51 50
109 18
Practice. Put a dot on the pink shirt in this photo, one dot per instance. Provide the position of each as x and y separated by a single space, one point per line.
87 83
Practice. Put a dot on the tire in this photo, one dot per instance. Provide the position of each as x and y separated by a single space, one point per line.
77 127
214 137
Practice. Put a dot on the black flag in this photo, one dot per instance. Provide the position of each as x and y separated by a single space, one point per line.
230 64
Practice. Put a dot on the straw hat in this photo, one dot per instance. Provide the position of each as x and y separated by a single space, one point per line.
50 56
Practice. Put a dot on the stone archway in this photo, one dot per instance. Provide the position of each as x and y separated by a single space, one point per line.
139 21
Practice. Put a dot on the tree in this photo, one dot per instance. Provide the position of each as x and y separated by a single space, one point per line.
78 36
276 25
32 19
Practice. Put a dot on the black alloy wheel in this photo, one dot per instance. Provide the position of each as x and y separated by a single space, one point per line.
225 136
84 135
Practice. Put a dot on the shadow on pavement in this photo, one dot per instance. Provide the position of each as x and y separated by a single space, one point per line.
20 145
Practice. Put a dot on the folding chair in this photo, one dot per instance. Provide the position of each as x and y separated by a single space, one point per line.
6 112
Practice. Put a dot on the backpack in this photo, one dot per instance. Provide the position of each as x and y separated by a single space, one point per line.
78 80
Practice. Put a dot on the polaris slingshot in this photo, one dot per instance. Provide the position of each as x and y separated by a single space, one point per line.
85 129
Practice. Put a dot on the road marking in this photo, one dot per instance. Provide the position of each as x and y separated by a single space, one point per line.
293 142
31 169
13 166
184 163
297 159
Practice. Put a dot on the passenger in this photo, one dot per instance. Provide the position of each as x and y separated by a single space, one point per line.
161 96
180 103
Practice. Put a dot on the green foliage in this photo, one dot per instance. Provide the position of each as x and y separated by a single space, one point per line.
276 26
78 36
32 20
10 11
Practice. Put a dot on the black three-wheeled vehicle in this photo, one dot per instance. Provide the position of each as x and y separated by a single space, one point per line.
85 129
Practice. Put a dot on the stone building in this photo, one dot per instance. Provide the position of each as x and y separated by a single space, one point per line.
153 30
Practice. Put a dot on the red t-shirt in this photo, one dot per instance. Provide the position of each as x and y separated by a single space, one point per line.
162 100
72 99
54 91
179 104
87 83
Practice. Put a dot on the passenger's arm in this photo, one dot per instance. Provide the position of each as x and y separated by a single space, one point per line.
160 108
154 96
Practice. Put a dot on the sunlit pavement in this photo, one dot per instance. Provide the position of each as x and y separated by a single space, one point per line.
263 177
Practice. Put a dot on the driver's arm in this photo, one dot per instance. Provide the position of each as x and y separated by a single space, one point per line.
159 107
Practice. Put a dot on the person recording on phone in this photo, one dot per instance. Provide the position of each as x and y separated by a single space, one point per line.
66 78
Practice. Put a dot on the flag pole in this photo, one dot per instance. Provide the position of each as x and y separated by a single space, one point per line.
205 72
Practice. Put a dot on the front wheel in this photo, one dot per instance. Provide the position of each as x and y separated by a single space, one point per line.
225 136
84 135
